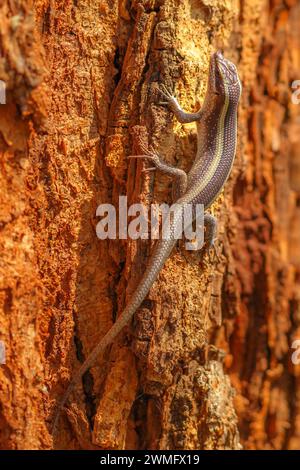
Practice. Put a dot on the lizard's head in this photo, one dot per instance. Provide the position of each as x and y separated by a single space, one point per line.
224 78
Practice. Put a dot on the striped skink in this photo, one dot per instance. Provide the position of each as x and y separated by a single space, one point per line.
217 135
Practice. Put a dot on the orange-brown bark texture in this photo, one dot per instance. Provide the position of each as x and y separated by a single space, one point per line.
206 362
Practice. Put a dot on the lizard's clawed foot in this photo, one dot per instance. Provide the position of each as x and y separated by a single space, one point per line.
149 154
165 91
149 170
167 95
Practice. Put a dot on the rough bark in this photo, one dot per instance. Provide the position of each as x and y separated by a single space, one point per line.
206 363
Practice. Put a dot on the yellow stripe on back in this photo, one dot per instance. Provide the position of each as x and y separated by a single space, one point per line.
219 144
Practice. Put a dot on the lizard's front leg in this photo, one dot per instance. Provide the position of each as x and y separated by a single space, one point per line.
159 164
180 114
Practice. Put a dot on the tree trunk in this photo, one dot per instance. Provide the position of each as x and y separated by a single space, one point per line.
206 362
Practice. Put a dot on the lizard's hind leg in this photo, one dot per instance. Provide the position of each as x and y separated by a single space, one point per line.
210 224
200 250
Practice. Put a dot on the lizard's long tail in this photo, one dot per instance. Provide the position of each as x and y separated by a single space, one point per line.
155 264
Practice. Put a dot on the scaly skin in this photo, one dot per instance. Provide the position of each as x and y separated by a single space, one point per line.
217 134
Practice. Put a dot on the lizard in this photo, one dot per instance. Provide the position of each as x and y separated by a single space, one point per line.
216 148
